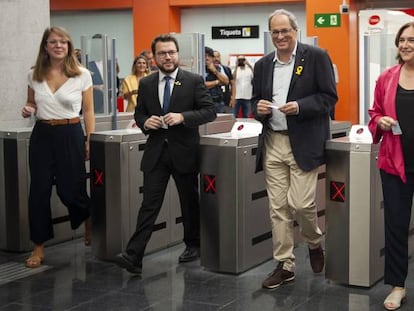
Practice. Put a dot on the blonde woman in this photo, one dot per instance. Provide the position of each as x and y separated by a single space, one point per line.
58 89
130 84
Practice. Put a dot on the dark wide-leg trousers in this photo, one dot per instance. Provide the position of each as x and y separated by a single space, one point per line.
398 198
56 156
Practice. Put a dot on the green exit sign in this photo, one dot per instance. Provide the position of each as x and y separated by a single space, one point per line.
327 20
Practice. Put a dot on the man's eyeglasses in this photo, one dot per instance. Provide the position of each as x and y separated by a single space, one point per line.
55 42
164 54
283 32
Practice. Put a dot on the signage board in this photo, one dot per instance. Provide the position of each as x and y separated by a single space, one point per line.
234 32
327 20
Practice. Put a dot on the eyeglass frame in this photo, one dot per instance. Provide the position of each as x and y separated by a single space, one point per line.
55 42
283 32
163 54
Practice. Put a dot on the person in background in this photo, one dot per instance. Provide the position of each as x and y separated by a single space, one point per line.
228 89
214 80
58 88
391 123
243 75
293 92
150 59
130 84
78 54
172 103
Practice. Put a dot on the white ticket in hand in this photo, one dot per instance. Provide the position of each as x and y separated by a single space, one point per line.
164 125
396 129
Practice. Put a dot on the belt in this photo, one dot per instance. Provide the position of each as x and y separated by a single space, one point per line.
282 132
61 121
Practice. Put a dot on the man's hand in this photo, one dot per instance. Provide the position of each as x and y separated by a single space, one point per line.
290 108
153 123
173 118
264 107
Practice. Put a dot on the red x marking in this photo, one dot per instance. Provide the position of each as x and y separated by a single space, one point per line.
98 177
337 191
210 183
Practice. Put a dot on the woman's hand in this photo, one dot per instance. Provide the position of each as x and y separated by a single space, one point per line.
386 123
28 111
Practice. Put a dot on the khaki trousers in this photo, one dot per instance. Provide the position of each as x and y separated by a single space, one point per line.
291 192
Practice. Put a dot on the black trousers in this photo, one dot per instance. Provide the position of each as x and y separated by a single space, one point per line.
56 156
398 198
155 184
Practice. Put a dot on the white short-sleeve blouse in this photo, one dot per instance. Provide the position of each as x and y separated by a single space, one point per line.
66 102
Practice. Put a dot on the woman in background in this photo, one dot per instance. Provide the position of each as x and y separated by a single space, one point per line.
140 69
58 89
391 123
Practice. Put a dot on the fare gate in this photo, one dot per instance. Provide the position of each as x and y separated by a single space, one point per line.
354 218
235 226
116 192
14 195
235 229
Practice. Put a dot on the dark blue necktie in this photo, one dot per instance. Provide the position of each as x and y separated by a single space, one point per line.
167 95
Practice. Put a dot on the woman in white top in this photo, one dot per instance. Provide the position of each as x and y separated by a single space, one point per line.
58 89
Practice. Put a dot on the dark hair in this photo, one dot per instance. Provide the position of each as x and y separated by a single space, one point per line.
292 18
398 36
209 51
71 63
163 38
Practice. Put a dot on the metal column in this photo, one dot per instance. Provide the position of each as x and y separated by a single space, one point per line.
116 192
235 227
354 216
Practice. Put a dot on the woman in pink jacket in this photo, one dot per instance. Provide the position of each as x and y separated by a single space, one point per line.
392 123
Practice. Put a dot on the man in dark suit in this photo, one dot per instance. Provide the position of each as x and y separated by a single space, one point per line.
172 103
293 92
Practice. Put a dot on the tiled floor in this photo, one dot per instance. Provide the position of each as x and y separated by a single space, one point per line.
72 279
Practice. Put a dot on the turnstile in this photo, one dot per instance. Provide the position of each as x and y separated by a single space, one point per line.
339 128
116 192
235 227
354 217
14 194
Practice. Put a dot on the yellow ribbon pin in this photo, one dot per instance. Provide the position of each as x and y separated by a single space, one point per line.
299 70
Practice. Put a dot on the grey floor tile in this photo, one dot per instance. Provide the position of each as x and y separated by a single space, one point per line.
78 281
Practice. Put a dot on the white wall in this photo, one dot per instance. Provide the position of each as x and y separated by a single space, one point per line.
22 24
202 19
116 24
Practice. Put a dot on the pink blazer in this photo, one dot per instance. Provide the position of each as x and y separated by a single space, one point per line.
390 158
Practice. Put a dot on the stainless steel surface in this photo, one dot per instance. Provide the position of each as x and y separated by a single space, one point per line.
222 124
235 227
354 216
116 192
339 128
116 156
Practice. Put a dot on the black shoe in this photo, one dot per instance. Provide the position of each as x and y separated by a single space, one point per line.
189 254
317 259
125 261
278 277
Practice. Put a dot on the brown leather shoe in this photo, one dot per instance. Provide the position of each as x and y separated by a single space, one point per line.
278 277
317 259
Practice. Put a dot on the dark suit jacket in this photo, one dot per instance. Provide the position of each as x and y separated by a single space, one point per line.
313 87
189 97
